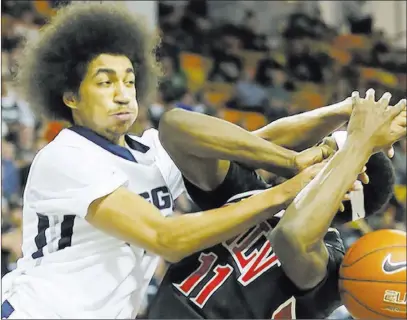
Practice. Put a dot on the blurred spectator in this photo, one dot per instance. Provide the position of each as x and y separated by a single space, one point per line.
249 95
25 27
11 237
227 65
174 77
168 98
171 14
306 22
15 112
10 178
194 22
358 15
302 64
279 96
264 70
251 38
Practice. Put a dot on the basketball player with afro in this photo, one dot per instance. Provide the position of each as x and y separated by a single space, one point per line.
98 200
288 266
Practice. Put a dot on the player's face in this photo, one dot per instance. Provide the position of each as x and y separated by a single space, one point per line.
107 96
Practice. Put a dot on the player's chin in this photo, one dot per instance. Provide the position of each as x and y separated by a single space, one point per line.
122 126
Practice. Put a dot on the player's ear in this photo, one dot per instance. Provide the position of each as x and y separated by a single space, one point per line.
70 100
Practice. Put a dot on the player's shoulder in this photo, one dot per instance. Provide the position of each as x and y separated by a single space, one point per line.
149 138
67 152
66 143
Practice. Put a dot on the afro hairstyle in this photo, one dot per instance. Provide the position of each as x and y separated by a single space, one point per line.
57 61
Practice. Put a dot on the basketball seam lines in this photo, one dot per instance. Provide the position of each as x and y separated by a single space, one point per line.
372 280
349 265
365 306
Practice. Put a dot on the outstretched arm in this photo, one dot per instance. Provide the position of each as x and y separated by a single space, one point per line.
373 127
300 249
304 130
202 146
208 137
177 237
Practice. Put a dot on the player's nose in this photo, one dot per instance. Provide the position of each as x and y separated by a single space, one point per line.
122 95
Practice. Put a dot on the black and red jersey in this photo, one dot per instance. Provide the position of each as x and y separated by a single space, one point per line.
242 277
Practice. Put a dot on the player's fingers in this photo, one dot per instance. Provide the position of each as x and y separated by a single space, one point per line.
330 142
370 95
364 178
346 197
401 119
385 100
390 152
327 151
355 98
398 108
341 207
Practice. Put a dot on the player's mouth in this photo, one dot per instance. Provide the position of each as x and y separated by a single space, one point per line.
123 116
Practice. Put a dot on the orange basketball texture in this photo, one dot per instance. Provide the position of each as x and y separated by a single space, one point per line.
373 276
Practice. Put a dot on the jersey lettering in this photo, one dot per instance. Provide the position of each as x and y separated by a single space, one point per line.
286 310
265 259
251 265
43 227
207 260
160 197
221 274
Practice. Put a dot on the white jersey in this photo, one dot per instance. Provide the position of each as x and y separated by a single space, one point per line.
69 268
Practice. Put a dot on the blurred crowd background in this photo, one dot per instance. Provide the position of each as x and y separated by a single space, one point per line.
247 62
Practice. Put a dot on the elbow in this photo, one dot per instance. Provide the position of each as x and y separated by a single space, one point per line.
172 131
293 236
297 259
173 248
287 244
170 124
286 240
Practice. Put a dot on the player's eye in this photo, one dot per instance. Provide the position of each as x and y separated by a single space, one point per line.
104 83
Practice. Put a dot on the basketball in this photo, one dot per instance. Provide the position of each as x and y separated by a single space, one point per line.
373 276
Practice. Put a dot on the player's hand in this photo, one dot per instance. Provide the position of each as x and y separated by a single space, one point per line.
306 175
330 142
398 126
376 122
313 156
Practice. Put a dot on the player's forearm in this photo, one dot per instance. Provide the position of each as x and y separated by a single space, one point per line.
317 205
302 131
132 219
211 138
194 232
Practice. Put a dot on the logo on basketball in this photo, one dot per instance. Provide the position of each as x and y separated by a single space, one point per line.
391 296
390 267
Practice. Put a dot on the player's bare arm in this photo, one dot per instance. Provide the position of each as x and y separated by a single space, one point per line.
304 130
174 238
202 146
373 126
